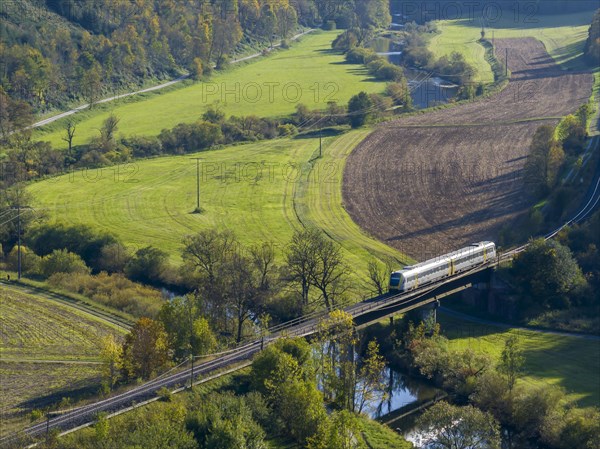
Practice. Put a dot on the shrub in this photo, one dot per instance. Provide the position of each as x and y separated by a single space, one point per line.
113 291
330 25
62 261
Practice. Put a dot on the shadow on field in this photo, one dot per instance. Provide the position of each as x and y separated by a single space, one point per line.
571 363
76 391
325 132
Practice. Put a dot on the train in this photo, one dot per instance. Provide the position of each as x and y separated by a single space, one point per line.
413 276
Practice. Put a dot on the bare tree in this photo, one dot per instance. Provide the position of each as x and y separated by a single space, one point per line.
109 128
263 257
70 129
330 271
379 275
301 262
315 261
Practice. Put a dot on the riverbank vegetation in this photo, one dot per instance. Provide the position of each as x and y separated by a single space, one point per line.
498 379
288 398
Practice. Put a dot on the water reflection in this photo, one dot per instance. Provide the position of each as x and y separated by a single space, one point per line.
400 392
426 90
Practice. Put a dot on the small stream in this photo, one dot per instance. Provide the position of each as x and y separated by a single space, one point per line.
426 90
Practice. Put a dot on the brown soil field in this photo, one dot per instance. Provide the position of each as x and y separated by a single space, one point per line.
433 182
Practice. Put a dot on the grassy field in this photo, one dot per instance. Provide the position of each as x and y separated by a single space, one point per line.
563 35
262 191
310 73
48 351
570 362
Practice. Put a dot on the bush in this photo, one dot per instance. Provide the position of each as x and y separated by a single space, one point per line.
113 291
330 25
358 55
62 261
30 262
143 146
82 240
147 266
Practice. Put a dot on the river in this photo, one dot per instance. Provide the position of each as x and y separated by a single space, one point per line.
426 90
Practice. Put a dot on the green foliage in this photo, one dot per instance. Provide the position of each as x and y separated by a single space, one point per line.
145 350
545 160
359 108
511 361
455 427
225 421
62 261
548 274
592 44
284 359
147 265
112 290
82 240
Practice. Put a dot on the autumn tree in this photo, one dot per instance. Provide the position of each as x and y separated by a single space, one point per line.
227 33
111 354
287 20
267 25
145 350
91 84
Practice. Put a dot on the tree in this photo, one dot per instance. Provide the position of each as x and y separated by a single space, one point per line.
263 257
70 129
147 265
379 275
544 160
359 109
267 24
227 33
301 262
370 16
370 377
455 427
287 20
145 350
547 273
511 361
330 271
335 358
109 128
91 84
111 354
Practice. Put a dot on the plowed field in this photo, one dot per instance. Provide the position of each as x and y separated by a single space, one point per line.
431 182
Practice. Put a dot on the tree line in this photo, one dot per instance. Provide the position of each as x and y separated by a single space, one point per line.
68 50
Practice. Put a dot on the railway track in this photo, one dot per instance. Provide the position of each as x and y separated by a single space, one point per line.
301 327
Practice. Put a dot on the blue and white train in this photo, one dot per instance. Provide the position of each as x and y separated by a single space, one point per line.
414 276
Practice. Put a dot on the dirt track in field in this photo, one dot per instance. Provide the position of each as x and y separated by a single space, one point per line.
432 182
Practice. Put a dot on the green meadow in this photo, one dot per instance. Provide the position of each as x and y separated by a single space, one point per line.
563 35
262 191
309 72
569 362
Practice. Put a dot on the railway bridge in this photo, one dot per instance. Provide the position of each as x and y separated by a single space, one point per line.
364 313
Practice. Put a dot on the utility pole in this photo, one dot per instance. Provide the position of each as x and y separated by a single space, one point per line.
19 238
506 68
198 159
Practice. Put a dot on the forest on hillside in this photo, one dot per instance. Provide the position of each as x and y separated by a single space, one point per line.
57 51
